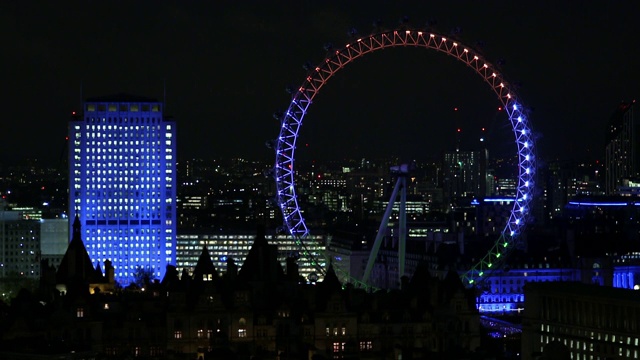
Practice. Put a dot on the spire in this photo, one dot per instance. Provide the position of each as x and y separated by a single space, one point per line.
76 227
205 270
261 263
331 281
76 266
260 240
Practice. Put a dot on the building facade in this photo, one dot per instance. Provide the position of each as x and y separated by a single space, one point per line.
26 241
465 174
623 147
235 244
122 183
261 310
20 246
586 321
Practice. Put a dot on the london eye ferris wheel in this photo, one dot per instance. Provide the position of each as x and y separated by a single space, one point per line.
291 122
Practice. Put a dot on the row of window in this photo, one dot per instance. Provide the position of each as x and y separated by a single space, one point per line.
132 259
119 186
102 138
119 180
120 154
126 172
119 165
120 244
117 138
587 350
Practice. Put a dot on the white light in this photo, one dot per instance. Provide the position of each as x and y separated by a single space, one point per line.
515 107
526 158
526 183
528 170
524 131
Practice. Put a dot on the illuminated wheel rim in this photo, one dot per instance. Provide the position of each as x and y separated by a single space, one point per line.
302 97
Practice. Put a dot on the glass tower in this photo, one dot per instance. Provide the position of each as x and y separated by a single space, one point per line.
122 184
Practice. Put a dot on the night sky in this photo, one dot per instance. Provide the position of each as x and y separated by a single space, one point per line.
225 66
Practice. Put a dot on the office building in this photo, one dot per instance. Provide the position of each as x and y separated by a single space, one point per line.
235 245
465 174
586 321
122 183
20 245
26 240
54 240
622 157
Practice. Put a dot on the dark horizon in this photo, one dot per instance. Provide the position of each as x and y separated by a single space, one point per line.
223 69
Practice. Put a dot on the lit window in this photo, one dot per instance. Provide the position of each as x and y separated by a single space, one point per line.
80 312
242 328
177 334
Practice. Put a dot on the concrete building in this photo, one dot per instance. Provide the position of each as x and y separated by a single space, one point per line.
622 156
235 245
584 321
122 183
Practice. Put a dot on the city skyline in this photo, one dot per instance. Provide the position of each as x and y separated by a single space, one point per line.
223 68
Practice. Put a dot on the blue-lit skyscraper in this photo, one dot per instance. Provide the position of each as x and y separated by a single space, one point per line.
122 183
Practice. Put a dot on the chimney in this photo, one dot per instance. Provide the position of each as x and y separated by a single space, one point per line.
108 271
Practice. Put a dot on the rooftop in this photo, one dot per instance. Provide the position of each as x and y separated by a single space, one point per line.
120 97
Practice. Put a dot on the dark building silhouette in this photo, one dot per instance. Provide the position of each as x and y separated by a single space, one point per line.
260 311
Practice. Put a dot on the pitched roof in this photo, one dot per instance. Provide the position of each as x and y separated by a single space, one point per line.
262 262
76 263
331 282
204 266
